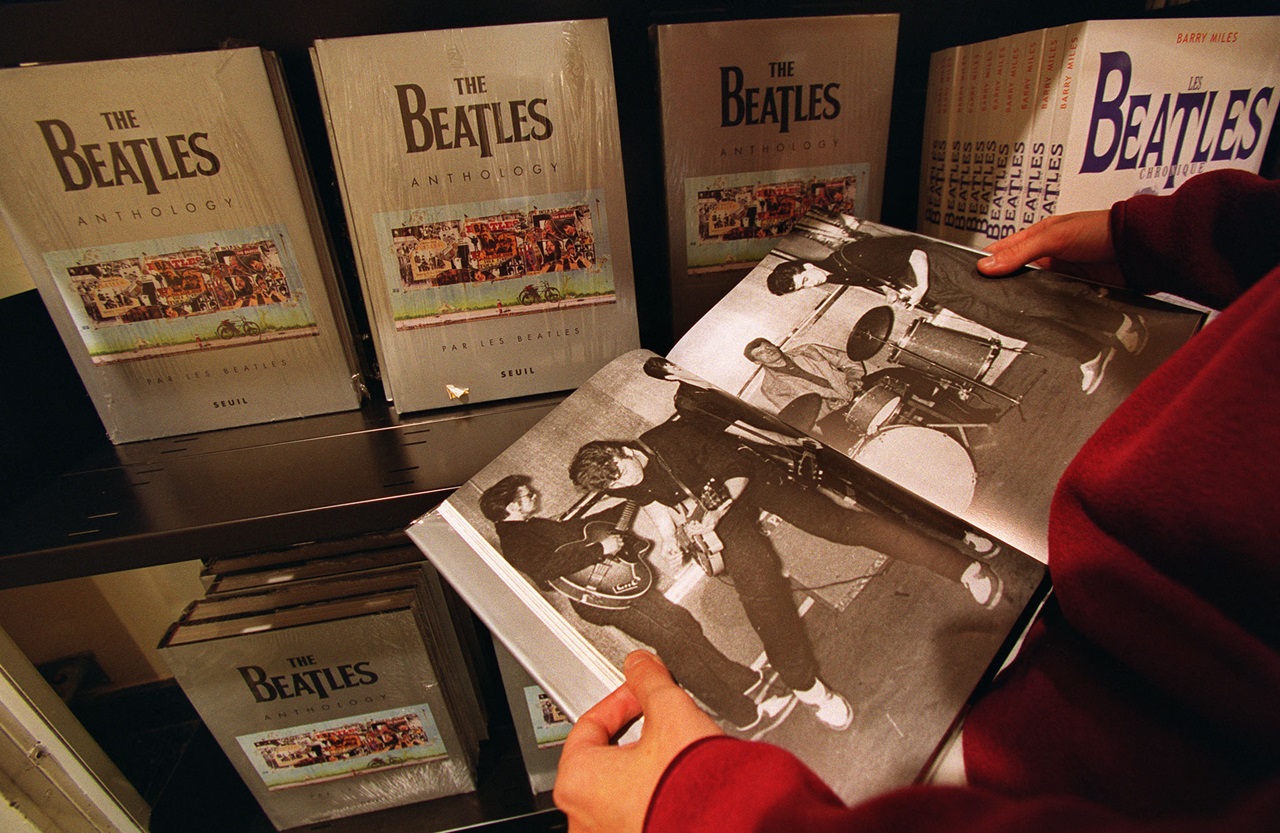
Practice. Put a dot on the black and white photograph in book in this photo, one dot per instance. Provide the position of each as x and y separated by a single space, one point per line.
893 349
795 595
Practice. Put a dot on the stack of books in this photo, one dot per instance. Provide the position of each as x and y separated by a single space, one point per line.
1077 117
336 685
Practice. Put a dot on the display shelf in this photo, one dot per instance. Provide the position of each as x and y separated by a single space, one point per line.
251 489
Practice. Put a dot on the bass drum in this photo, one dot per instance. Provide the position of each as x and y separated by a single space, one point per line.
928 462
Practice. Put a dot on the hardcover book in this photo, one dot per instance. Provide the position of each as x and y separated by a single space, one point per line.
265 570
1080 116
165 213
761 121
330 709
826 509
541 726
481 175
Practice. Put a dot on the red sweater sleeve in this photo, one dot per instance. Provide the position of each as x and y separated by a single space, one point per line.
1208 241
1146 696
723 784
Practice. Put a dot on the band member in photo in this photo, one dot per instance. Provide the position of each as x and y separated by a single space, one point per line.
1065 317
807 369
547 550
714 485
807 460
696 399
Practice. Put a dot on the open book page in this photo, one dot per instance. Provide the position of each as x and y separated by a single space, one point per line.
893 349
797 596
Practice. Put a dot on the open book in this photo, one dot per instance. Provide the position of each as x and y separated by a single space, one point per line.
826 509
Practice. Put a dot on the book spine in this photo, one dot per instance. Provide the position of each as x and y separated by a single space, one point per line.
1018 116
985 142
1042 193
960 154
1053 43
999 129
937 127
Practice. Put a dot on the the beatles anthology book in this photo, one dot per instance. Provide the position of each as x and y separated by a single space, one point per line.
166 214
1077 117
481 173
825 509
335 707
541 727
761 121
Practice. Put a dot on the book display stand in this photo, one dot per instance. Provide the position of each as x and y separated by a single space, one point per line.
73 504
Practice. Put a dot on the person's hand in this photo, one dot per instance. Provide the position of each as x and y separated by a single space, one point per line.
611 544
710 519
604 788
671 554
1077 244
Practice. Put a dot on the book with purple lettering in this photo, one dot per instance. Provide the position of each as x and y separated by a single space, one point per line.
1118 107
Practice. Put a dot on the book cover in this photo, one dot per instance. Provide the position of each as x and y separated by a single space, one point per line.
1156 102
1122 107
482 180
327 710
762 120
171 232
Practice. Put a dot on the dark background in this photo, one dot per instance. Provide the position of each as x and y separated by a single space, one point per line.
47 420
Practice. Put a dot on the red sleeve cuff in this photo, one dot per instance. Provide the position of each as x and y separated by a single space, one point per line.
721 783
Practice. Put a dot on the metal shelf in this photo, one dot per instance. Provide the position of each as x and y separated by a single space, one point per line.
251 489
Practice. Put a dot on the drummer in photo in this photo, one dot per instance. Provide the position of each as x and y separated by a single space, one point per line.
826 376
1061 316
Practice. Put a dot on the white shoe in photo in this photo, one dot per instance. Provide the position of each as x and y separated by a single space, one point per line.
981 546
983 583
769 714
1091 371
1133 334
831 708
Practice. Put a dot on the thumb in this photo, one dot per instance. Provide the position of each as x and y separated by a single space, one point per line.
646 675
670 714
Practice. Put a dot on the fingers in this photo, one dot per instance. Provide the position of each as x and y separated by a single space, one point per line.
1018 249
672 719
603 721
1083 237
646 675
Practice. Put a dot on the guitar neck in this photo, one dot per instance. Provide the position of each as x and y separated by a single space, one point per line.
627 518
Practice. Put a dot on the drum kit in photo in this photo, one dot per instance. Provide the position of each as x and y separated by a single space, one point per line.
910 421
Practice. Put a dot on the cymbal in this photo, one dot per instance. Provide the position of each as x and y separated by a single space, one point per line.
870 333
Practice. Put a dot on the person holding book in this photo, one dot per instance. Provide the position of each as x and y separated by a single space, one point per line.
1065 317
545 550
1144 697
